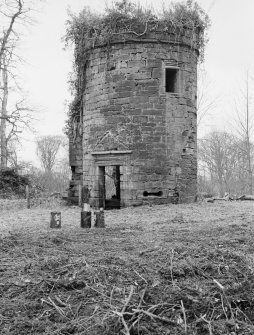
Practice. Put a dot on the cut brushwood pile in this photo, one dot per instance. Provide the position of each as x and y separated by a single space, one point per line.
227 197
246 197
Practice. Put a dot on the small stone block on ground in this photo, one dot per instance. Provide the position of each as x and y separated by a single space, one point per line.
99 219
85 220
55 221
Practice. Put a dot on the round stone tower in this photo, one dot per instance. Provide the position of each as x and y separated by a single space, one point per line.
139 121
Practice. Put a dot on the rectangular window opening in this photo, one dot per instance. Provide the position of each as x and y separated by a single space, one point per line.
171 75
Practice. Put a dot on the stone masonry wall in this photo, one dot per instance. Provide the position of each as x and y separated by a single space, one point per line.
127 110
75 160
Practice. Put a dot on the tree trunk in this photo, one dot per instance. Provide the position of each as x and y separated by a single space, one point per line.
4 116
250 186
221 186
250 182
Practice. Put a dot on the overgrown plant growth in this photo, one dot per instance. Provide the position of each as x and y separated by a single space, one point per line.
123 21
12 184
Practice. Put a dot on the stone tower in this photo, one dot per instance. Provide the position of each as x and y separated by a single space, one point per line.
138 136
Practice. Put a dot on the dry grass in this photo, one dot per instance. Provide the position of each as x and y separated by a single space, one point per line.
186 269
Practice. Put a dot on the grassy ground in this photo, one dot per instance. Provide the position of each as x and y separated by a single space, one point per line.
185 269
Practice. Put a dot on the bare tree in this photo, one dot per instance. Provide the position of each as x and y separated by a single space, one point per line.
206 103
7 41
47 150
218 153
12 10
14 114
244 128
12 154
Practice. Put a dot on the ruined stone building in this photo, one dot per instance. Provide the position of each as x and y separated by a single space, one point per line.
138 129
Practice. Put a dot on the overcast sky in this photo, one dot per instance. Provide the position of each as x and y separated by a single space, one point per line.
229 53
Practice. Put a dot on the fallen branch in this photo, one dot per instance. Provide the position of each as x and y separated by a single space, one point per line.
184 317
154 316
128 300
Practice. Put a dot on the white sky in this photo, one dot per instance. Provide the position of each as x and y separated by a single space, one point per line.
229 53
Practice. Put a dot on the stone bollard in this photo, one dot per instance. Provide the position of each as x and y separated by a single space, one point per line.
85 195
55 221
85 220
99 219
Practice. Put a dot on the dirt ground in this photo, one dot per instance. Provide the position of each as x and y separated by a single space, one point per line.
169 269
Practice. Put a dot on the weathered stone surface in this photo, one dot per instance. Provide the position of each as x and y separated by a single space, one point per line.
126 107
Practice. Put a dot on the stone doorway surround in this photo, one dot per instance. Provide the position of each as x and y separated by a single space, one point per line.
102 159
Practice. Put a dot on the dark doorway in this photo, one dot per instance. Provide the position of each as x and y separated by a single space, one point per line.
109 187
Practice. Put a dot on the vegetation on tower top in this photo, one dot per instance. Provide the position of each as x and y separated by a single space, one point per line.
125 19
